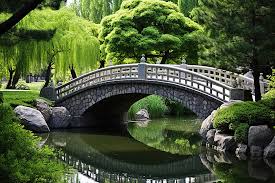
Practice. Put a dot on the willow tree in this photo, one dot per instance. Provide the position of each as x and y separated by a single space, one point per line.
151 27
74 36
74 46
95 10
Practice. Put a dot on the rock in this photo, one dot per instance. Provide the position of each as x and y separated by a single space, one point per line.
142 115
207 125
256 152
32 119
210 136
241 151
44 108
61 118
269 151
224 142
259 136
259 170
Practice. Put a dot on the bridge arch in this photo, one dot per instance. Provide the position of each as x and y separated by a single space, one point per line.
109 101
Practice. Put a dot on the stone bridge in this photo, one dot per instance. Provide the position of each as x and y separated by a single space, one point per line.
107 94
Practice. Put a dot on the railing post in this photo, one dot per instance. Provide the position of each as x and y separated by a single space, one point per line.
142 68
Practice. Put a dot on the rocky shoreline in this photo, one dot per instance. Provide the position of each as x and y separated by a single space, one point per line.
260 141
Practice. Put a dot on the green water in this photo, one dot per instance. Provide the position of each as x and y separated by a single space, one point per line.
165 150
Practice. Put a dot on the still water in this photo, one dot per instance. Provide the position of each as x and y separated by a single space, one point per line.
164 150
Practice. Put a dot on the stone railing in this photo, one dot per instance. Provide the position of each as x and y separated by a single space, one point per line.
149 72
229 78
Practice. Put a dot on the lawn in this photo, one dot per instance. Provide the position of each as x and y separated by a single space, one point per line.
22 97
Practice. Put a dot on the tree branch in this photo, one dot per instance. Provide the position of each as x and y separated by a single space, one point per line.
18 15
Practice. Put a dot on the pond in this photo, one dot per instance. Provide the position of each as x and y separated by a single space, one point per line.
163 150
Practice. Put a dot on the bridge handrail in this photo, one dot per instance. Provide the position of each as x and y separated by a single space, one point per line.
93 72
228 77
145 71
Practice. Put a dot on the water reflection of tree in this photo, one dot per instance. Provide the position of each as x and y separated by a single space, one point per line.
177 136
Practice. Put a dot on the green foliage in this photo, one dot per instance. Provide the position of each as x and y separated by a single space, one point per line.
152 27
238 33
186 6
268 99
21 160
176 136
22 86
252 113
241 133
15 98
272 79
30 46
155 105
95 10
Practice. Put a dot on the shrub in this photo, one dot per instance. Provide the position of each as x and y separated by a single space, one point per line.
22 86
241 133
21 160
272 79
252 113
268 99
154 104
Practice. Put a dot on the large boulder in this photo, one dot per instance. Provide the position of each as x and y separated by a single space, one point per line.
142 115
259 136
44 108
269 151
32 119
224 142
61 118
207 125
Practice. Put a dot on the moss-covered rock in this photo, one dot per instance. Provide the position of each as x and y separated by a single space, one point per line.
241 133
228 119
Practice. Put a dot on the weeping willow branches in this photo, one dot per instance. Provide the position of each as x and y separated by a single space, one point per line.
46 30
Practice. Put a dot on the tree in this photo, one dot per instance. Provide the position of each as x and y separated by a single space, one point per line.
95 10
72 45
21 9
151 27
240 34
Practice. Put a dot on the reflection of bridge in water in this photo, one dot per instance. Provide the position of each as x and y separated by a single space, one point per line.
127 166
101 175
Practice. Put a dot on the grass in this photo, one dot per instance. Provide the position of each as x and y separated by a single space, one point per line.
33 86
22 97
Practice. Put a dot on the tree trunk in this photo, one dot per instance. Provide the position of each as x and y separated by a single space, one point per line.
48 75
11 71
18 15
257 88
16 78
255 63
165 57
73 73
